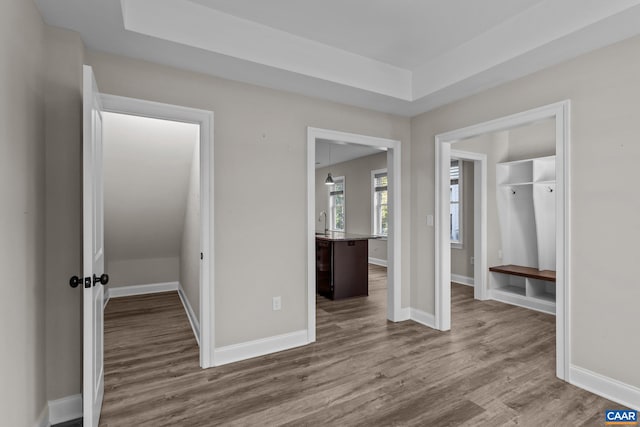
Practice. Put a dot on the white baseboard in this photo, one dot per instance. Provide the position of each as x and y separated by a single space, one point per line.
606 387
43 419
463 280
65 409
376 261
522 301
193 319
403 314
152 288
261 347
423 318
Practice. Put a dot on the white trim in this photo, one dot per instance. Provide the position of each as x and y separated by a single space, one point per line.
560 112
606 387
479 220
260 347
404 314
65 409
193 320
151 288
378 261
205 119
523 301
463 280
43 419
424 318
394 161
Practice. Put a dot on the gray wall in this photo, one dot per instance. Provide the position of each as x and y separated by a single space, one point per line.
22 191
147 171
357 175
190 245
604 91
65 56
535 140
143 271
461 257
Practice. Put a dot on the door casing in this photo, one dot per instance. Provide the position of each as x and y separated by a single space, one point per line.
205 119
560 112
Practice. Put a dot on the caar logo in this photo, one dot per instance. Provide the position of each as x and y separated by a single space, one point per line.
620 417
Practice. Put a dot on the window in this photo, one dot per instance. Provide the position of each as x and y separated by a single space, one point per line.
336 205
379 197
455 227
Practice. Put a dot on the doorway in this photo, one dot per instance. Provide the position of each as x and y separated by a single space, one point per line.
475 165
394 311
203 312
558 112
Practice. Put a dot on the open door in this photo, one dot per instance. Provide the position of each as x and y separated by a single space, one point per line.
93 252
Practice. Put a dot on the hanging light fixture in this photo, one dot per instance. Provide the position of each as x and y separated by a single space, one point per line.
329 180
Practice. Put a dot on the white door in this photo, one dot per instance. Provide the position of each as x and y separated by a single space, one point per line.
93 252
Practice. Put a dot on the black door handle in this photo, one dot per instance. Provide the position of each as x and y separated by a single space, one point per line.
75 281
103 279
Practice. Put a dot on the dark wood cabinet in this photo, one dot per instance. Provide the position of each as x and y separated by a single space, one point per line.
342 268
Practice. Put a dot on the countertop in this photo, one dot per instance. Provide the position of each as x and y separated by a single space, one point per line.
335 236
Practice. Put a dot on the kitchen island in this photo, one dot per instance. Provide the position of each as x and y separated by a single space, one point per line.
342 269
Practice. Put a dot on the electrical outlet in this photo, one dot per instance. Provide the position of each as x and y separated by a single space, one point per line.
430 220
499 253
472 260
277 303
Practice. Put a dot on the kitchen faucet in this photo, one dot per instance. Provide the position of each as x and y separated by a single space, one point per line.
325 220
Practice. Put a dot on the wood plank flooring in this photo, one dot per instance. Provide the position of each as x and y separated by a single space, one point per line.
495 368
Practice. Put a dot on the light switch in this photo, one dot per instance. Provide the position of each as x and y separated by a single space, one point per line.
430 220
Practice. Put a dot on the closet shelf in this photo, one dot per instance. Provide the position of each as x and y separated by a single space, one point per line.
519 270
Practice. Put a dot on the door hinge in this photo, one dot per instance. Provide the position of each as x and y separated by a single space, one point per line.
201 255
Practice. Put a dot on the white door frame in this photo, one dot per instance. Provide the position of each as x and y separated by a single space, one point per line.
479 222
394 291
139 107
560 112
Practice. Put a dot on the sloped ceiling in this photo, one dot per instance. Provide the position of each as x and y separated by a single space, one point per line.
403 56
147 164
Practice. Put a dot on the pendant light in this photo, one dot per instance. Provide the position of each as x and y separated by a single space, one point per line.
329 180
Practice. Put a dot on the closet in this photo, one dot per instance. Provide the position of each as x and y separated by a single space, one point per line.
526 199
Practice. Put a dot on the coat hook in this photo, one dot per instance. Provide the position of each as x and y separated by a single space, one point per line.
513 191
550 190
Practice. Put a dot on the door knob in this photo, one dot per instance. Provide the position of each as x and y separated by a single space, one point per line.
103 279
75 281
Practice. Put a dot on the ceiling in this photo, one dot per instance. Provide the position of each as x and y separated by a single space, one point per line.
398 56
329 152
147 166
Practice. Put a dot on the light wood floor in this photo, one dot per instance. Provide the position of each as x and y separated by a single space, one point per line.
495 368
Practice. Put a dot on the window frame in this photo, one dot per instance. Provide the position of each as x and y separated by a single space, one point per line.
374 211
331 208
457 244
